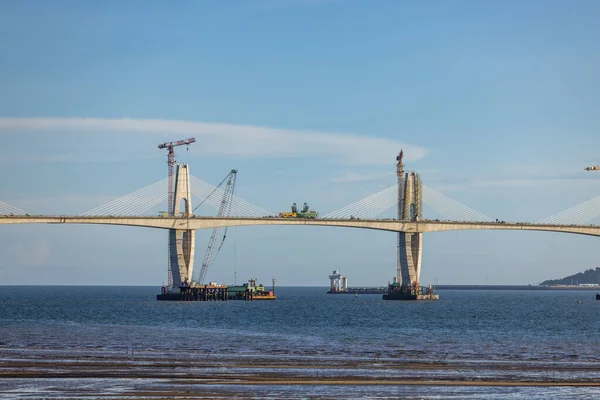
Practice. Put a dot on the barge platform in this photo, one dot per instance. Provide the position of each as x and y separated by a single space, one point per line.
214 292
403 292
195 293
359 290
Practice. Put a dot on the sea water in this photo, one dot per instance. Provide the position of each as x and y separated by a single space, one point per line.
474 326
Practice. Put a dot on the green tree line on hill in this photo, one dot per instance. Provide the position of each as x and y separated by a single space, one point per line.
589 276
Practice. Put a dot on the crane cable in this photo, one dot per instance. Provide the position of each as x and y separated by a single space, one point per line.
213 192
228 213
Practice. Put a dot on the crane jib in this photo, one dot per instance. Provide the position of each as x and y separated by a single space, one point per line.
169 145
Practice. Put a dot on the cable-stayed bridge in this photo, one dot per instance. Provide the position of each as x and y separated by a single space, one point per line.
133 207
130 210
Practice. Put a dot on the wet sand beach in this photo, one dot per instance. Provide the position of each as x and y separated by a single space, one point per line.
45 374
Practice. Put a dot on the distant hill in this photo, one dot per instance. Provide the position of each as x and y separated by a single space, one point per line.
589 276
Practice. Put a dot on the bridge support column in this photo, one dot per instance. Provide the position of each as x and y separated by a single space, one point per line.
410 244
409 263
182 241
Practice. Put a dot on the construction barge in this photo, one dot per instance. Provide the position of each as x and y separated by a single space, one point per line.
215 292
360 290
394 291
397 291
339 285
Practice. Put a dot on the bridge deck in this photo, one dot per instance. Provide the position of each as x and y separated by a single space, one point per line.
196 222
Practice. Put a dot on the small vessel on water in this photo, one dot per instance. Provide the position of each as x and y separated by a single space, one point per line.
251 291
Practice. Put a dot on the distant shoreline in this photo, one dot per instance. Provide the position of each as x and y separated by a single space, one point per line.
513 287
482 287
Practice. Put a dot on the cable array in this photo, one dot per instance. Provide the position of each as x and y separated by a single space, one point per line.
369 207
576 215
212 195
7 209
140 201
376 204
451 209
134 203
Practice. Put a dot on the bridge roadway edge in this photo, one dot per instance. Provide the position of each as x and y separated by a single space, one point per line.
212 222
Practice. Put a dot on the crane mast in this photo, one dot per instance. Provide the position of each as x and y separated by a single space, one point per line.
224 211
171 165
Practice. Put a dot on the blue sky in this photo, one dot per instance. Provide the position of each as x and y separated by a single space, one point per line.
494 103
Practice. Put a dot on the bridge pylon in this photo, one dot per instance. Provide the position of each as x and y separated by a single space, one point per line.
181 241
410 244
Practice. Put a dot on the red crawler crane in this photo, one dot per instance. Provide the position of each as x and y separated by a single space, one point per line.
171 164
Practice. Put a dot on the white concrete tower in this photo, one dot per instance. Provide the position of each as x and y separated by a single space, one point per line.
182 241
410 245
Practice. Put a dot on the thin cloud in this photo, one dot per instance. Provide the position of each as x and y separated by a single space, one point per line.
517 176
221 139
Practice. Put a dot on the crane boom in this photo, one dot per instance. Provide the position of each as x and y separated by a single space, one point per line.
224 211
169 145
